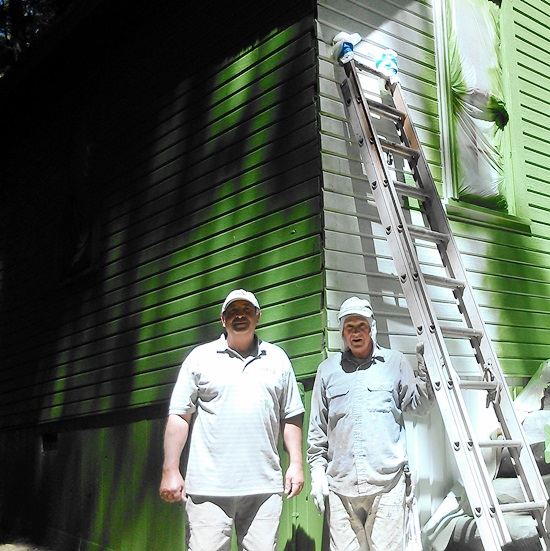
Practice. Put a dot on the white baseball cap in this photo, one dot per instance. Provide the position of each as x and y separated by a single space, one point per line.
355 306
240 294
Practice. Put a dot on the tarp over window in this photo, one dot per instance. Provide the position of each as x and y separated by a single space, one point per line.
478 108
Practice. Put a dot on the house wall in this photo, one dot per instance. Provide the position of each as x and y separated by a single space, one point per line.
506 256
357 257
145 175
169 162
188 188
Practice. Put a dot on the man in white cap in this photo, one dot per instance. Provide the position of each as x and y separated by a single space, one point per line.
356 441
232 399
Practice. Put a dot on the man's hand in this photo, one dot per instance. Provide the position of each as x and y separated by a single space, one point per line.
423 373
172 486
294 480
422 370
319 489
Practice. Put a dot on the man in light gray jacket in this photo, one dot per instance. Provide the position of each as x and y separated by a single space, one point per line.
356 442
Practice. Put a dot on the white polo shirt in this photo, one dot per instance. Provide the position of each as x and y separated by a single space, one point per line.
239 406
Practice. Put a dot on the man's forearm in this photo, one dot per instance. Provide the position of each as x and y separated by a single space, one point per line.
175 438
292 437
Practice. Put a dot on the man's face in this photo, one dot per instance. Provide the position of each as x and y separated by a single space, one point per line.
356 334
240 317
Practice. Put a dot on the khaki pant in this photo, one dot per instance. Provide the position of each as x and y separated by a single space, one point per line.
374 523
210 522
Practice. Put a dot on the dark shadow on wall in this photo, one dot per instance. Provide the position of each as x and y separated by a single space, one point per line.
82 316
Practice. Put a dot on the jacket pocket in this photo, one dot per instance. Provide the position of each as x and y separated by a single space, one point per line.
380 397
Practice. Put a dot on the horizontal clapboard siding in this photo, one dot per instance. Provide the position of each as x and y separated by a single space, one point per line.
357 258
205 185
508 269
530 34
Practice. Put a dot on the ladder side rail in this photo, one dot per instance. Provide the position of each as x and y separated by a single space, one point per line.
356 100
459 428
469 458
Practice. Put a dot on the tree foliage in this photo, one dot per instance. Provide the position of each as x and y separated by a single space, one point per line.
21 22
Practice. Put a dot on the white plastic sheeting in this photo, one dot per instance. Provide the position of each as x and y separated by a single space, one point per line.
478 108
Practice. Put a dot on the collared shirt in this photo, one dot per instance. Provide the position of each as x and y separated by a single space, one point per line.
357 430
239 405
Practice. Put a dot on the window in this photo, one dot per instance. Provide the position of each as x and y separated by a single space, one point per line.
477 114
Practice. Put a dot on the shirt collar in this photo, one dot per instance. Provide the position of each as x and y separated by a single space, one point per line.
224 348
350 363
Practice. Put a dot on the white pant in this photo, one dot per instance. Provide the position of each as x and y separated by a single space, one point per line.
373 523
210 521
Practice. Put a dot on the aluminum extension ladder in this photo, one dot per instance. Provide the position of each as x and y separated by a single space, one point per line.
404 238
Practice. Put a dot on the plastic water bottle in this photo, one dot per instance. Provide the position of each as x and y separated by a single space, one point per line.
387 63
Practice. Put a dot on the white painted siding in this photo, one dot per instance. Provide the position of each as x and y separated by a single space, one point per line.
357 257
507 258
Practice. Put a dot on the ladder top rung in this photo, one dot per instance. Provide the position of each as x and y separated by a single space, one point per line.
427 234
460 331
386 111
366 69
447 282
523 507
400 149
411 191
500 444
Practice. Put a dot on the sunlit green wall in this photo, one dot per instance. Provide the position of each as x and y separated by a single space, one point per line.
508 257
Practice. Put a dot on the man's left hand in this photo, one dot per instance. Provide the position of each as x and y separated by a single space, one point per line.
294 480
422 369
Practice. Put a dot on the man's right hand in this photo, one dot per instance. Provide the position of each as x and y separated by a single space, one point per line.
172 486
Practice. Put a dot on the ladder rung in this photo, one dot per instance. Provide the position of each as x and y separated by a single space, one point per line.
428 235
500 444
410 191
458 331
447 282
386 111
366 69
400 149
479 385
523 507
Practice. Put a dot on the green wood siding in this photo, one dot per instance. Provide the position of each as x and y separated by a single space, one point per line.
204 176
526 39
509 265
98 491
